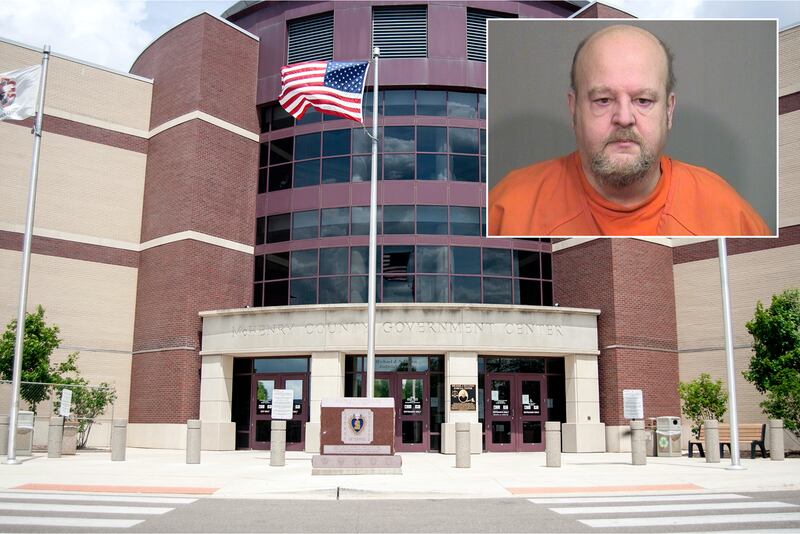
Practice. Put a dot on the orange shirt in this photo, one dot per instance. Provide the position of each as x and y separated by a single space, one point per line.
555 198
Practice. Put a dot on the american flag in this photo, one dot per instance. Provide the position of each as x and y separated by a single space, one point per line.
333 87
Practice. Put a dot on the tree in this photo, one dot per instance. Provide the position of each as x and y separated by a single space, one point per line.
88 402
702 399
775 365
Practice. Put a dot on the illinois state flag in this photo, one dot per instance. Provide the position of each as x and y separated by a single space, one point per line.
333 87
18 92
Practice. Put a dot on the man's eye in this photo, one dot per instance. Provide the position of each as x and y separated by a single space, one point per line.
602 101
644 102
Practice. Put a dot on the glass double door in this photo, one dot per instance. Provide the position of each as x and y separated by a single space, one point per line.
514 411
412 412
263 386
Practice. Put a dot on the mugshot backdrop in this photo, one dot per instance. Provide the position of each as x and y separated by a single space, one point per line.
726 97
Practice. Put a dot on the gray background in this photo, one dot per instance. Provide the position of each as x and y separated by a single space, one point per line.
726 97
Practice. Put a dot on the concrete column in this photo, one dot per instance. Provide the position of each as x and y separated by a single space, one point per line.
193 440
119 440
460 368
462 445
3 435
54 436
711 430
277 447
776 451
552 443
638 443
327 380
216 395
583 431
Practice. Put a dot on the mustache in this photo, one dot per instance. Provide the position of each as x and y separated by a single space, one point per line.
625 135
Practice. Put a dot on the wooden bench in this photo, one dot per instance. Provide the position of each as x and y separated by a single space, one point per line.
752 432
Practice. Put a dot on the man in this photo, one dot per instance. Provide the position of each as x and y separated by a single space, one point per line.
618 182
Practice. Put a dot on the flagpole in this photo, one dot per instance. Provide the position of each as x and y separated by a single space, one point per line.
373 235
13 411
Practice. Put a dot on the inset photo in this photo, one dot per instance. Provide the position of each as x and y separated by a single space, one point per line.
632 128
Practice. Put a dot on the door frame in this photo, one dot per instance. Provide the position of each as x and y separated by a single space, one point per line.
302 417
395 379
516 416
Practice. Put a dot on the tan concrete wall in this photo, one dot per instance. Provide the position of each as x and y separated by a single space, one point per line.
85 93
753 276
789 165
789 62
84 188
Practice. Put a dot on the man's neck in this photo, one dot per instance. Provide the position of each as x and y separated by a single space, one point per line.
630 195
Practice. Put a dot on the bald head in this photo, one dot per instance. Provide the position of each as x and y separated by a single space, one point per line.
627 38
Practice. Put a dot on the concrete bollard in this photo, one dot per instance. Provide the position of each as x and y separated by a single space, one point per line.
119 440
711 428
193 441
552 443
463 458
277 446
776 451
55 436
638 443
3 435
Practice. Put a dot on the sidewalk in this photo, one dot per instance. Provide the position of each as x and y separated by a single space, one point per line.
247 474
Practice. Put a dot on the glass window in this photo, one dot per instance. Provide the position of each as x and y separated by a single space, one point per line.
462 105
333 260
432 220
431 139
278 228
304 263
303 291
359 289
398 139
260 230
262 181
277 266
336 170
497 262
398 102
483 142
307 146
547 267
431 167
258 295
305 224
280 177
281 119
362 143
464 140
281 365
526 264
547 293
276 293
466 260
336 142
398 259
359 260
432 288
360 215
263 118
306 173
258 271
464 168
527 292
398 288
309 117
497 290
398 167
398 219
367 103
466 289
333 290
263 155
432 259
362 168
280 150
335 221
431 103
481 105
465 220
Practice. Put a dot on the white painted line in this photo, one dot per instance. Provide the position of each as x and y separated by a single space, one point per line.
93 498
78 522
687 507
750 531
691 520
83 508
643 498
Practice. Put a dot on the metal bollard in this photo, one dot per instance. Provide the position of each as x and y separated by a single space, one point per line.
638 443
119 440
711 428
3 435
462 445
55 435
277 447
552 443
193 441
776 451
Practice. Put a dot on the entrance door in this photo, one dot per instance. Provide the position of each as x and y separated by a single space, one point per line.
262 387
514 411
411 398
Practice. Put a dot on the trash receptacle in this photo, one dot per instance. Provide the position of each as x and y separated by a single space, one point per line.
651 444
668 436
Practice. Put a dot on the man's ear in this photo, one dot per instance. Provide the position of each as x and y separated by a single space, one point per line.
670 109
571 103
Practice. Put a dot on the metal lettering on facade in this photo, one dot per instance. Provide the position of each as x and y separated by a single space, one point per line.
404 328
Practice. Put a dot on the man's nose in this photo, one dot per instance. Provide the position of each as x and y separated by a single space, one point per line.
624 113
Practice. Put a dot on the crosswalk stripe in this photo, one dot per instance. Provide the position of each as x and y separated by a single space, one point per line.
83 508
691 520
686 507
78 522
94 498
748 531
645 498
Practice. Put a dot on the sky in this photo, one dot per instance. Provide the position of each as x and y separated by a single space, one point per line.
112 33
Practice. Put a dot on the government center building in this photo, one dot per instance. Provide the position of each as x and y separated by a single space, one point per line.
201 248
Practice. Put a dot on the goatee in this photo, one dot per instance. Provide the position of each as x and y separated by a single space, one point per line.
622 174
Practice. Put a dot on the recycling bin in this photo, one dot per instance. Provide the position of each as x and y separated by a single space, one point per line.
668 436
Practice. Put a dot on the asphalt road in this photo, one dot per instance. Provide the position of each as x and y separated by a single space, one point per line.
750 512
